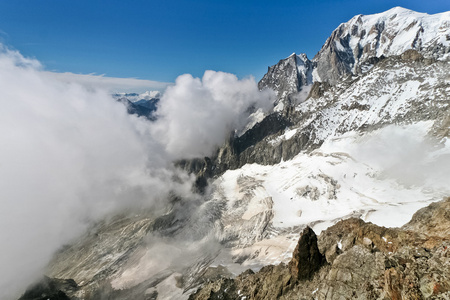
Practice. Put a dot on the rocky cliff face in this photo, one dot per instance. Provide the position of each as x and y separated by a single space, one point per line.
363 261
288 77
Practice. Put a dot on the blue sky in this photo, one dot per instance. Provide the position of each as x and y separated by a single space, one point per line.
159 40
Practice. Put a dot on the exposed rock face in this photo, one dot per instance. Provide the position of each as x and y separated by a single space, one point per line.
50 289
318 89
432 220
251 147
123 235
288 77
365 261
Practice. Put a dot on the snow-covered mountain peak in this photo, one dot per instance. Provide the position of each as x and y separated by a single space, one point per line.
356 46
302 58
400 29
381 35
396 27
397 10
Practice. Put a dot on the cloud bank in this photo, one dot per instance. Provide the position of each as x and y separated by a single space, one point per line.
196 115
70 154
111 84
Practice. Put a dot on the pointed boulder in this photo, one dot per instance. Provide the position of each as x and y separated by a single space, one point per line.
306 259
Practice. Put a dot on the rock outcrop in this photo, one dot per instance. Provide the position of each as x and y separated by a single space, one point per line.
432 220
51 289
306 259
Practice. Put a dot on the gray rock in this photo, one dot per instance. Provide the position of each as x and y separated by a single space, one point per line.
288 77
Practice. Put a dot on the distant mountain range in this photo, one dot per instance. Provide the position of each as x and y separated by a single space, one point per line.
144 104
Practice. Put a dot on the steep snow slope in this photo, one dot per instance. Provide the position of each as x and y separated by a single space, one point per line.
395 91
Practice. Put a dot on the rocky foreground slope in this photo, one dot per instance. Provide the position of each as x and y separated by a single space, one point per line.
355 260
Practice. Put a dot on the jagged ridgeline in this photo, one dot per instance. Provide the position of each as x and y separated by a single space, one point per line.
357 141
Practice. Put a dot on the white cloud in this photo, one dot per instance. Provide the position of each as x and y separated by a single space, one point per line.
111 84
196 115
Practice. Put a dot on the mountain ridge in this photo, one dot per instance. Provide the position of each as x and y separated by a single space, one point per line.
355 45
